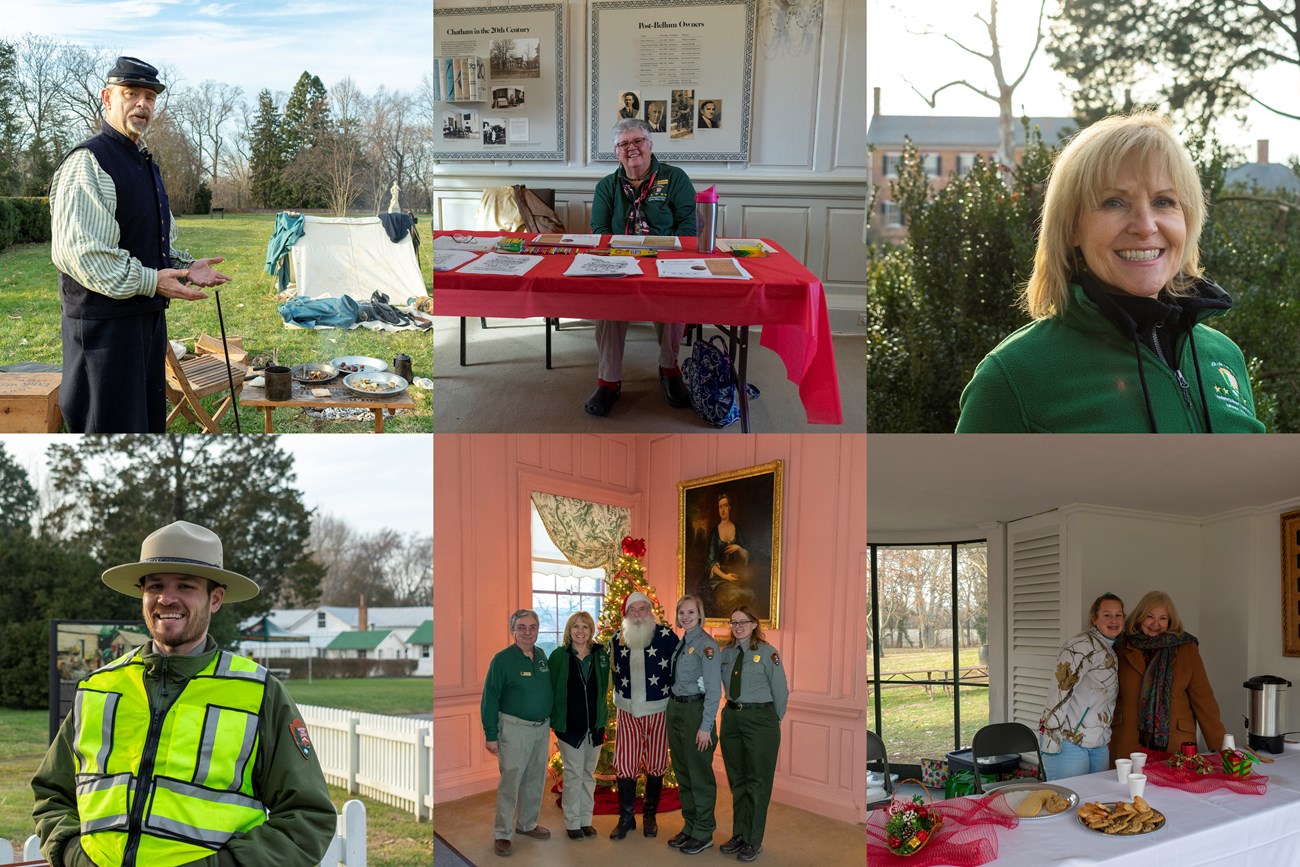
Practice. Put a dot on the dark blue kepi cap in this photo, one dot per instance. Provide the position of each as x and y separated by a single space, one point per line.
132 70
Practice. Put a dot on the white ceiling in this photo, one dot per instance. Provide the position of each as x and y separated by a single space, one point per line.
950 482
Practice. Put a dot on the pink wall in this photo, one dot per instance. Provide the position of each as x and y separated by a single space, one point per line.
481 486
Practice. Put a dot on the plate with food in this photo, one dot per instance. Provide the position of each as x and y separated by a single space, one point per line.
359 364
310 373
1037 800
1121 818
376 384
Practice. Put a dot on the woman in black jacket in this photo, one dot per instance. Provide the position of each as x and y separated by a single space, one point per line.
580 675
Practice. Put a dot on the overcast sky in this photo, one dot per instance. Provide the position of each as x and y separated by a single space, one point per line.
372 482
895 56
249 43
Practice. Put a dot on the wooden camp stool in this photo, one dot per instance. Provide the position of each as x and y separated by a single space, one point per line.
199 377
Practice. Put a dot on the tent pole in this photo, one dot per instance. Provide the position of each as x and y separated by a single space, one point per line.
225 349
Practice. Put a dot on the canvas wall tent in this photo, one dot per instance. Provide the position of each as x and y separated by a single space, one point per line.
353 256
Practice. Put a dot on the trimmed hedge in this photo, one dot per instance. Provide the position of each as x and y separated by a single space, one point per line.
24 220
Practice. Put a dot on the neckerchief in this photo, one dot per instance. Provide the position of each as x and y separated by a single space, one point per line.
636 223
1157 685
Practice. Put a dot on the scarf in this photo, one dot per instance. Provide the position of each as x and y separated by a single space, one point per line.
636 223
1157 685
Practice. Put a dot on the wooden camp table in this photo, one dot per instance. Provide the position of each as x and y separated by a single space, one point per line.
339 396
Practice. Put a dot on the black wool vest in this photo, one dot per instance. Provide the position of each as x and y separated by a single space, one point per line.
143 217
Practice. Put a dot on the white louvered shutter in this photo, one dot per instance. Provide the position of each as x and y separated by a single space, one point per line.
1034 557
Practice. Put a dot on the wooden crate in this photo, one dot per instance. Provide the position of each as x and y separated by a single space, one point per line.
29 402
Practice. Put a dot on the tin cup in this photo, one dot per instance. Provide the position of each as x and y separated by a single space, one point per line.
1123 767
279 383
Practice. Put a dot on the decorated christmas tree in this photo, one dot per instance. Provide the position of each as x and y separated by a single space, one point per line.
628 577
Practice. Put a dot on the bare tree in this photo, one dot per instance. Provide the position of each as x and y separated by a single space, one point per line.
1005 86
205 112
80 83
342 164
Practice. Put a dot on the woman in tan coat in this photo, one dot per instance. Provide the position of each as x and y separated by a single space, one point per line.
1164 693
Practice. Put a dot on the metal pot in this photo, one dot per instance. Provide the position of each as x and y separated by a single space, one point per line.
1266 719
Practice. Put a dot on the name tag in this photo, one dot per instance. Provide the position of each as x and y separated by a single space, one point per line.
525 674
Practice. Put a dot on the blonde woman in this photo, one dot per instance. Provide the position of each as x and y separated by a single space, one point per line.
580 676
692 713
754 680
1119 342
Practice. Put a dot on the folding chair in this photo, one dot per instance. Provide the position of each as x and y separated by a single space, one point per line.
876 754
1004 738
199 377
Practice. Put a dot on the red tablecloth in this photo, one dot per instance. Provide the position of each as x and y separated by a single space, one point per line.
784 298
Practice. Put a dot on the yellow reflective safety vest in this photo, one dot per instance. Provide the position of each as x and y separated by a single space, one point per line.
160 790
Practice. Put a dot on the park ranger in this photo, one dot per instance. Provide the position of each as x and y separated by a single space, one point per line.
181 753
516 708
692 712
751 729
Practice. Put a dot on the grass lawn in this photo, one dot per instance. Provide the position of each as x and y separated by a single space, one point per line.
919 725
393 837
29 309
390 695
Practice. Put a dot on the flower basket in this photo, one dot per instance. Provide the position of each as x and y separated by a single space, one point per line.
911 824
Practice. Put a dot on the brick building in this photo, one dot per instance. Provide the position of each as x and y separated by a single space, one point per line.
948 144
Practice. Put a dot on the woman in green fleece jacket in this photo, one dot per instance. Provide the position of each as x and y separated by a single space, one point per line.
1118 343
642 197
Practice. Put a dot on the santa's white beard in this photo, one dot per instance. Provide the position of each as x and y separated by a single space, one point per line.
637 632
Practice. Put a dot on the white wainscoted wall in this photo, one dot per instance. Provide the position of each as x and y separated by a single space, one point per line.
804 186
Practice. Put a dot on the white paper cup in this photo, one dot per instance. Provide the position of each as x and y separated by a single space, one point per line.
1137 784
1123 767
1229 742
1139 761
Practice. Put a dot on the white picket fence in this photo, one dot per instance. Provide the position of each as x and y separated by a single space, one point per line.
347 849
387 758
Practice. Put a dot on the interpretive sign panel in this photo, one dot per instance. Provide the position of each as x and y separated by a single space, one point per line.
499 77
684 67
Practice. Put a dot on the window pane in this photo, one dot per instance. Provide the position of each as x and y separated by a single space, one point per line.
559 587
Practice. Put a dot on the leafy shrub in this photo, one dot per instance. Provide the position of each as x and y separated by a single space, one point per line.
24 220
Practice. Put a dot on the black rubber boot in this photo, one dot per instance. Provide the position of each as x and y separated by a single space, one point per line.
650 806
626 808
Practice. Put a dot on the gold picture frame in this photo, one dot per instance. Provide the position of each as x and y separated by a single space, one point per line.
746 568
1291 584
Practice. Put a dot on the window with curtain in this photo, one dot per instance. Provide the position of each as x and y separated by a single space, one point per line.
559 587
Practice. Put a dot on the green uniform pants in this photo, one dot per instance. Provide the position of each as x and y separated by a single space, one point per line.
694 769
750 740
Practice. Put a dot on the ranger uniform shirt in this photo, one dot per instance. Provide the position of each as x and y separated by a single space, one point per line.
518 686
697 669
762 675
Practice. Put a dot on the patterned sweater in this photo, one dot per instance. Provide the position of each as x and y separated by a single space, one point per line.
1081 700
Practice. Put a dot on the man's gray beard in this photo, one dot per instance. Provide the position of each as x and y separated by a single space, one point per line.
637 633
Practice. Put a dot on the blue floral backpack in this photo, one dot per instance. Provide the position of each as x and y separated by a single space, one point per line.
712 383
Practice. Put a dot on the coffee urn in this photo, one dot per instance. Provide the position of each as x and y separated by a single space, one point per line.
1266 723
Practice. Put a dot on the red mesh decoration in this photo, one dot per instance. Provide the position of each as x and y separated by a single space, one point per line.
1159 773
967 839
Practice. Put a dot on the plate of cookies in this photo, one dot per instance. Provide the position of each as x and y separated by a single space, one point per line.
1036 800
1121 818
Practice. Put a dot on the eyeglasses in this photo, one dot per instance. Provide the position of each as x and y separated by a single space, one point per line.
736 624
637 143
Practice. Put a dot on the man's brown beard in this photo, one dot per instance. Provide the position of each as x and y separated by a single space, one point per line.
637 634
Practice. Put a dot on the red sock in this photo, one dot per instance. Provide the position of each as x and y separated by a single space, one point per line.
671 371
612 386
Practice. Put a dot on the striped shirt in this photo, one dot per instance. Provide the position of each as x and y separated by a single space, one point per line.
83 200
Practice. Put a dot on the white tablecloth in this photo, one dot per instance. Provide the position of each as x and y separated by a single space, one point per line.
1220 828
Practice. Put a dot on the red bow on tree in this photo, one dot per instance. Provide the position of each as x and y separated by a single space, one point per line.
633 547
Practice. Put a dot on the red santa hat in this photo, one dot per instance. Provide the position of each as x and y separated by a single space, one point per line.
636 596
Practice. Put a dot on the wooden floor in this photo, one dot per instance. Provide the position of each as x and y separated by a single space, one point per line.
795 838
